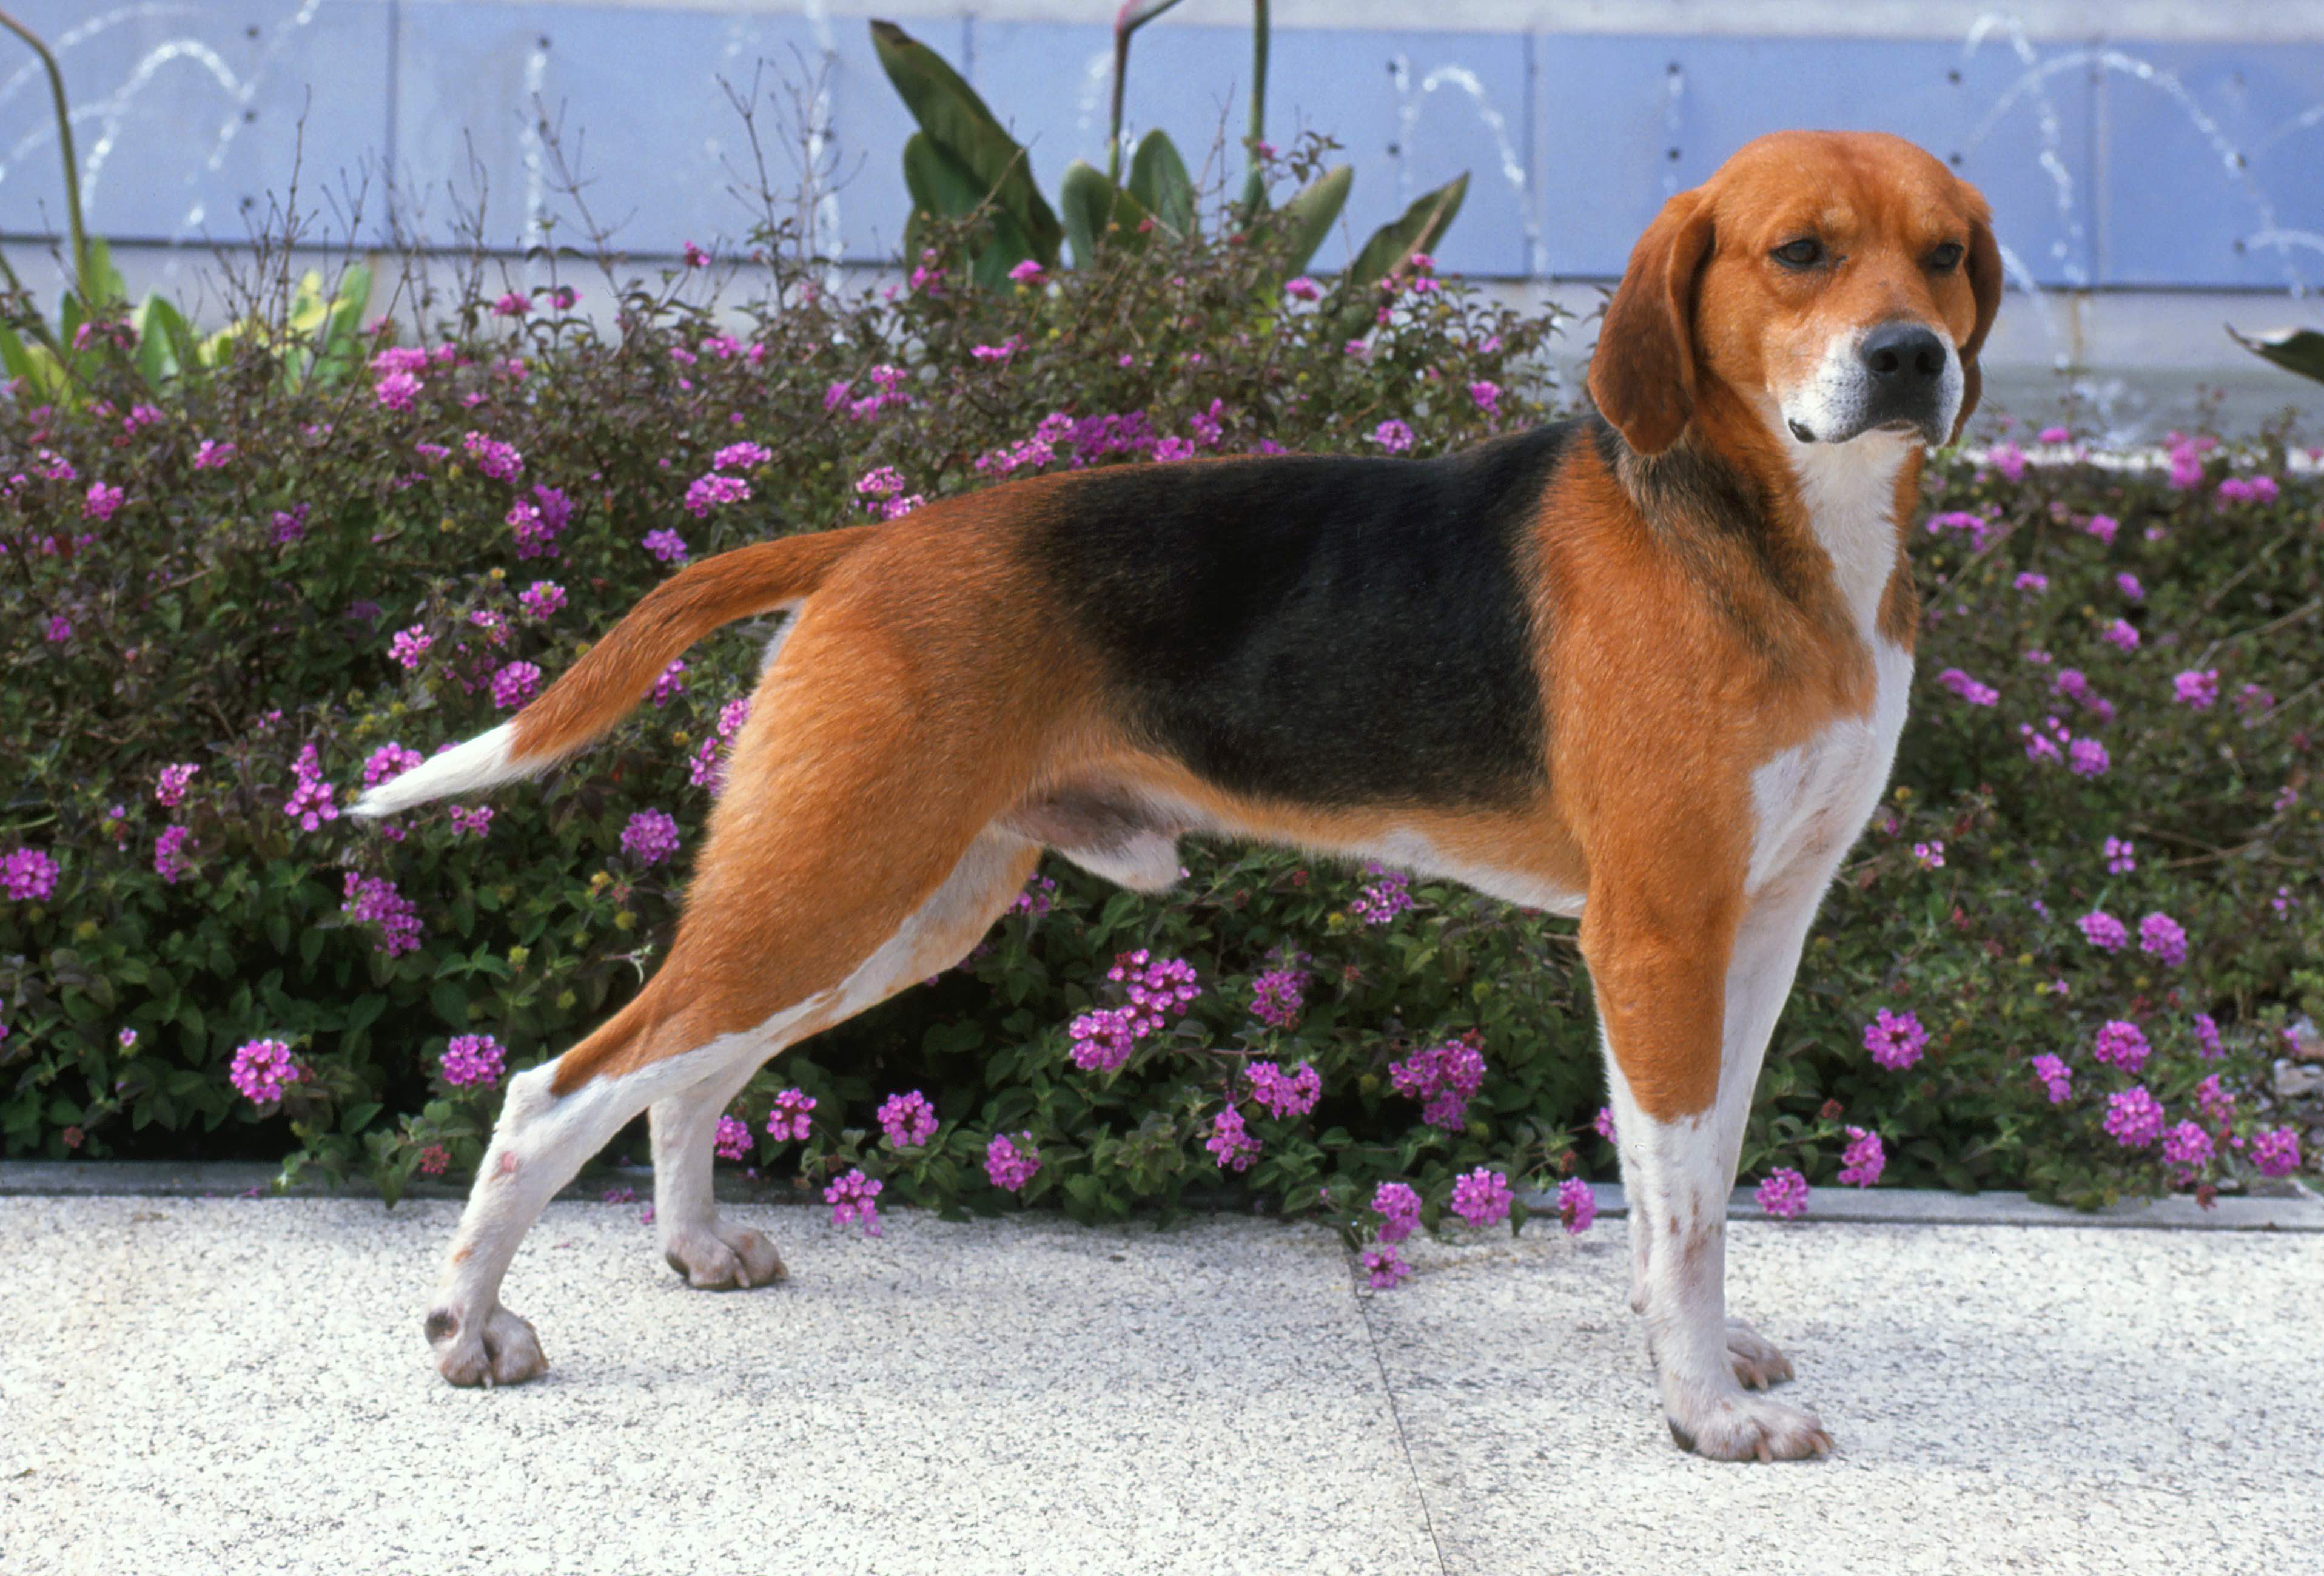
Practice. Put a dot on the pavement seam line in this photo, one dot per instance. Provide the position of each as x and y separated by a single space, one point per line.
1396 1415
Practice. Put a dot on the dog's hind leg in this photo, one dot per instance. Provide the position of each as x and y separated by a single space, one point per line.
848 858
714 1255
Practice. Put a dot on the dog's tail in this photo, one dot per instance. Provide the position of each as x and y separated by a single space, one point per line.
615 674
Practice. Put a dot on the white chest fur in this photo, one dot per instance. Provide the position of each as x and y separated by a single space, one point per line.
1812 799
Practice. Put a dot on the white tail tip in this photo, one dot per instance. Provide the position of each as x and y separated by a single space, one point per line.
481 763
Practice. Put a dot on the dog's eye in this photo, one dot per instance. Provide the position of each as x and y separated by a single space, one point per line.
1803 253
1945 257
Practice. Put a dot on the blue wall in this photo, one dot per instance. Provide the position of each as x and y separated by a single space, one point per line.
2115 163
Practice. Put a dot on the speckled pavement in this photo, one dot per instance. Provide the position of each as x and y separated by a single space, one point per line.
189 1386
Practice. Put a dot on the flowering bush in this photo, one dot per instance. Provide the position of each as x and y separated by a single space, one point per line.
199 955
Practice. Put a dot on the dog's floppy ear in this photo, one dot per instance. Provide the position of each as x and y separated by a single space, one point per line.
1984 266
1642 374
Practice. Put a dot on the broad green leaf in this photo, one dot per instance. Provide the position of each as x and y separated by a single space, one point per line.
2299 350
1391 247
14 356
157 352
1159 180
1098 213
103 289
948 109
1310 215
939 183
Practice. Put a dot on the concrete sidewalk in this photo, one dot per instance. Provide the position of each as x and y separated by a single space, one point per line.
189 1385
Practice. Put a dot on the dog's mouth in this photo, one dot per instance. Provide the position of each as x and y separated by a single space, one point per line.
1897 427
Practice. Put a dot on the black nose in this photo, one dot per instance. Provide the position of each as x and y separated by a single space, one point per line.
1903 355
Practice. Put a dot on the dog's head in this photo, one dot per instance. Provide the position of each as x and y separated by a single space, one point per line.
1840 281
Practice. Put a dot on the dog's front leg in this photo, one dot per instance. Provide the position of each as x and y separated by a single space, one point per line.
1661 974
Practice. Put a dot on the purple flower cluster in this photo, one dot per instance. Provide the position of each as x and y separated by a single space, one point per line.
470 823
855 1197
1443 1077
390 760
1385 898
1785 1194
2219 1106
409 647
2275 1152
2121 1044
1864 1159
908 1120
1895 1039
1482 1197
170 791
262 1071
539 521
788 1119
2198 688
650 838
2163 937
2133 1117
2186 1144
1104 1039
542 599
2103 930
1231 1144
1400 1210
2206 1038
1969 689
473 1058
28 875
2057 1078
514 685
1286 1094
671 683
732 1141
170 860
1577 1205
1011 1165
1159 990
499 460
309 804
1384 1268
1278 997
2121 857
372 900
668 545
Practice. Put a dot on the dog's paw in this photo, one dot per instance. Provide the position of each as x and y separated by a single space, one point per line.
499 1349
719 1257
1758 1361
1739 1427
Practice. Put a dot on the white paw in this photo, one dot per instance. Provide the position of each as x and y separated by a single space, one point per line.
500 1348
1739 1427
718 1258
1758 1361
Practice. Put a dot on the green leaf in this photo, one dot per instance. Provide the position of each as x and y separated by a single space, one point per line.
103 289
14 356
948 109
2299 350
1098 213
1310 215
1159 180
940 185
1391 247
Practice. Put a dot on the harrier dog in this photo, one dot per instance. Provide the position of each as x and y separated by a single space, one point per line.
1646 666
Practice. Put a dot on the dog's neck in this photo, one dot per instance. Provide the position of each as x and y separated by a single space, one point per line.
1848 491
1841 512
